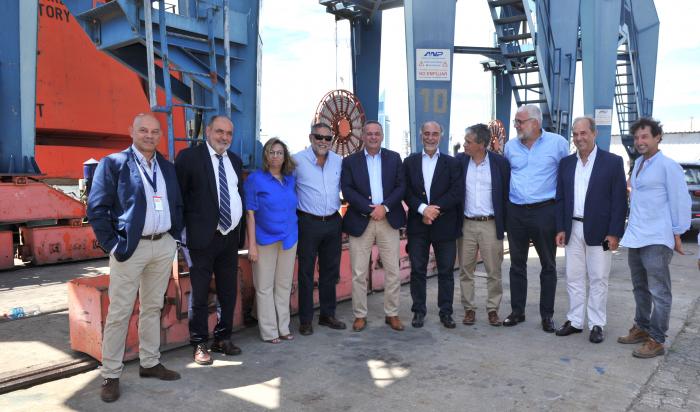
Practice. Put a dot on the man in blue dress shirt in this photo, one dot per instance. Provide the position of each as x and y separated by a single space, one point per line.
534 160
320 225
659 215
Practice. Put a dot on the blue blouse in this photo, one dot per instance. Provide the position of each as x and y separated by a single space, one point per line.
275 206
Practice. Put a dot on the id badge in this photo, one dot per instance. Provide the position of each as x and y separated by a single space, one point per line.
158 203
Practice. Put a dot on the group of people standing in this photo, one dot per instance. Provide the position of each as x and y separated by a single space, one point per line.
142 207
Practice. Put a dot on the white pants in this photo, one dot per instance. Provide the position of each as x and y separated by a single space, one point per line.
591 262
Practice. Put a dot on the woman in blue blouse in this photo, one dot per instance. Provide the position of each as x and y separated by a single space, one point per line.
271 203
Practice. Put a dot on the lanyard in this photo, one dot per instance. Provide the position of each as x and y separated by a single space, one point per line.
154 181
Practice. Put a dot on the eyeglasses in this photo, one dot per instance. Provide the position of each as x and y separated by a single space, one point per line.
320 137
518 122
276 153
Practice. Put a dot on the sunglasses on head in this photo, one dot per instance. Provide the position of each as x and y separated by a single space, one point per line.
322 137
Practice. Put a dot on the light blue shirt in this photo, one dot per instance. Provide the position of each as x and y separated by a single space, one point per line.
533 176
428 167
318 188
374 169
157 221
659 203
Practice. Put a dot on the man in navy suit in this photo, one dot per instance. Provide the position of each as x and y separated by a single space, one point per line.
135 209
434 194
486 178
591 209
211 182
373 184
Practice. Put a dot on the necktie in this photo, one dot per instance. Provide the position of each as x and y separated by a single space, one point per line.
224 197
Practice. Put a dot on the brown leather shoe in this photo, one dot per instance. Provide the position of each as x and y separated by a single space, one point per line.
110 390
226 347
649 349
201 355
494 319
469 317
159 371
359 324
635 335
394 322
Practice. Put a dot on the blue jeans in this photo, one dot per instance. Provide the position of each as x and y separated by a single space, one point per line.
651 282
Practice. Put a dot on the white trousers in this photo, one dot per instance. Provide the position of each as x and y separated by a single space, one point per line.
583 263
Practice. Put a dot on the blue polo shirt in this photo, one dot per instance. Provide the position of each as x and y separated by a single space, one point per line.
275 205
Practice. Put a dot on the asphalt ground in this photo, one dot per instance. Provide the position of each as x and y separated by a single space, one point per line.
476 367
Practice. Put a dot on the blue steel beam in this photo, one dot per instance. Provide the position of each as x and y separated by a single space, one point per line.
430 32
645 35
18 87
558 26
366 45
600 22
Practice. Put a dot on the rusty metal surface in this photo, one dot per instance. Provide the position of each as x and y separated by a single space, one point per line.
7 250
24 199
53 244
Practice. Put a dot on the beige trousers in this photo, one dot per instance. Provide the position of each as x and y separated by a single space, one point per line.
145 273
272 277
388 243
481 237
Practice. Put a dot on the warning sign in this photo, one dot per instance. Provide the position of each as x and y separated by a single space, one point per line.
433 64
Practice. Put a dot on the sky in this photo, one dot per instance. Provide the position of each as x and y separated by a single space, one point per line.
307 54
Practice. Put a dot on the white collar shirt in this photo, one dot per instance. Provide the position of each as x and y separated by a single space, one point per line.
235 202
478 199
157 221
374 170
581 178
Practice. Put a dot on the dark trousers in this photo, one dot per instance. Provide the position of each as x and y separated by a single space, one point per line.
418 249
221 259
536 225
320 239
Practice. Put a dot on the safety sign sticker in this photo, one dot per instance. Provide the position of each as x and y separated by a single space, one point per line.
433 64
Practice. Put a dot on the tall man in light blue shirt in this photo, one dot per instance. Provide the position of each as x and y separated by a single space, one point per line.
659 214
318 192
534 160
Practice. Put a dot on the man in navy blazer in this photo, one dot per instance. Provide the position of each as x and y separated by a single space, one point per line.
372 182
486 179
135 209
591 209
211 182
434 194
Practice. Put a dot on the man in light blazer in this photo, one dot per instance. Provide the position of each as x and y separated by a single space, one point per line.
135 210
434 194
591 209
211 182
486 179
372 182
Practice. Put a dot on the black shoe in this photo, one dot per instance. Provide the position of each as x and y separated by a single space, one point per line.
548 325
566 329
596 335
306 329
418 319
513 319
448 322
331 322
226 347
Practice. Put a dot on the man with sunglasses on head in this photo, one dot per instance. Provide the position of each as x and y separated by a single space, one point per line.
534 160
318 192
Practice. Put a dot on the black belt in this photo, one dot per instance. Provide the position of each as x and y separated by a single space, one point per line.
155 236
315 217
480 218
536 205
578 219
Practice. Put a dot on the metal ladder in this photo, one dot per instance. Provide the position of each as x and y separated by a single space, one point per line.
514 25
625 96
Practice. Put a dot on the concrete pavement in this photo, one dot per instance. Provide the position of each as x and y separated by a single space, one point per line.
476 367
